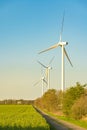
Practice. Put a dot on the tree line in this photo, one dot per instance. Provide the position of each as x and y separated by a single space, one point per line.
71 103
16 102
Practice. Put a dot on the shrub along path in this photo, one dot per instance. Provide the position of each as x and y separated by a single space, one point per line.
59 124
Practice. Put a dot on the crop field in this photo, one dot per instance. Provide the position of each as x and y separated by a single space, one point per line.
21 117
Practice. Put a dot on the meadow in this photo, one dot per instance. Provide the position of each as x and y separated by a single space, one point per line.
21 117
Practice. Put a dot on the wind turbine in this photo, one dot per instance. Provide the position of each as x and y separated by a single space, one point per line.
42 80
64 53
48 68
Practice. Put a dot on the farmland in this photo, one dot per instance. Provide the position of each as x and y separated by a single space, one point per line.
21 117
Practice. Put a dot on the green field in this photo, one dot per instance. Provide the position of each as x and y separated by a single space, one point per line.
21 117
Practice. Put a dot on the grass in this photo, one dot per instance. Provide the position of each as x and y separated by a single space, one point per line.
80 123
51 127
76 122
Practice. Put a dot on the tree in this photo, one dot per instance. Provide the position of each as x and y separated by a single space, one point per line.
50 100
70 96
79 109
59 99
38 103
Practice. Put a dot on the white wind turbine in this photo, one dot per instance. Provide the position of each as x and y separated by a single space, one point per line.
48 68
64 53
42 80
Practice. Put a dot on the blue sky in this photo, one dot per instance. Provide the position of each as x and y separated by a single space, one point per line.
29 26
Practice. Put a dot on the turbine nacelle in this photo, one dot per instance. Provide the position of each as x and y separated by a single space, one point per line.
49 67
63 43
42 78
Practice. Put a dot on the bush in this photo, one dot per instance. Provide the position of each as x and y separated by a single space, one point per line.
59 99
79 109
70 96
50 100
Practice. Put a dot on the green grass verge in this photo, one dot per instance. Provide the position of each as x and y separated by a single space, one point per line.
76 122
80 123
51 127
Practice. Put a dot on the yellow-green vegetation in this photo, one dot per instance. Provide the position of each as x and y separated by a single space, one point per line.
72 102
70 105
21 117
81 123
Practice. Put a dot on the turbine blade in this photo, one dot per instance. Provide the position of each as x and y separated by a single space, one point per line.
68 57
42 64
62 27
52 47
51 60
36 83
45 81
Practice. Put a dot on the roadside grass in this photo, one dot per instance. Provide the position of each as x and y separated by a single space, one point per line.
51 127
80 123
76 122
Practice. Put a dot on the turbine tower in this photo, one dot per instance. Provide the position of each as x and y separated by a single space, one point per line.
42 80
64 53
48 68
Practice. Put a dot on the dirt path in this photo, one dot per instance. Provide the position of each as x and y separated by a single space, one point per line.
59 124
